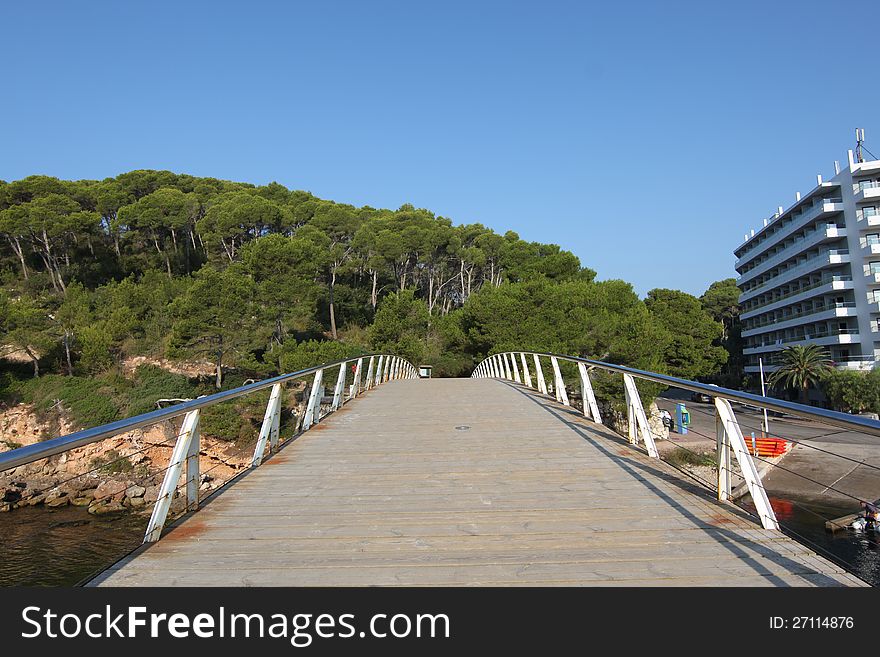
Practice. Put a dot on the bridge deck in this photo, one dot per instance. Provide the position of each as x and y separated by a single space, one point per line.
467 482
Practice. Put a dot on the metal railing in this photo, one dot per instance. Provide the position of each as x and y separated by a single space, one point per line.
514 366
185 455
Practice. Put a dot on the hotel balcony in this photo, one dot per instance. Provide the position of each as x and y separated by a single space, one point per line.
820 209
836 284
828 258
824 233
845 309
842 337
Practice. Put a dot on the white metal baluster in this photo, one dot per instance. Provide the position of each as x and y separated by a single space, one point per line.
339 388
515 368
181 453
591 408
387 369
539 373
313 407
192 470
638 421
506 366
371 373
722 446
379 369
734 437
527 377
269 428
496 367
559 385
356 386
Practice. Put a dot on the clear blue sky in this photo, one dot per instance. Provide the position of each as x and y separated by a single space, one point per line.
645 137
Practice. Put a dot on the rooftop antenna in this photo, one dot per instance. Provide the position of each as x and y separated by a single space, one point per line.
860 138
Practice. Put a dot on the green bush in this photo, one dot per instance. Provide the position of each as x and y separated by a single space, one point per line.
681 457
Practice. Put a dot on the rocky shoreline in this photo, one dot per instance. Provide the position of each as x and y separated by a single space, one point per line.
120 474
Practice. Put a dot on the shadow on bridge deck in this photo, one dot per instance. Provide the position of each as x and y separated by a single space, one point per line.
467 482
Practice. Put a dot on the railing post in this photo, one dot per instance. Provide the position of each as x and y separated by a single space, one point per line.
591 408
527 378
734 438
722 452
496 365
379 369
269 428
559 383
506 366
181 453
539 373
638 421
387 369
371 373
192 470
515 368
356 384
339 388
313 407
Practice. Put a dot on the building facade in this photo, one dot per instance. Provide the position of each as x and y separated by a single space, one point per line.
811 274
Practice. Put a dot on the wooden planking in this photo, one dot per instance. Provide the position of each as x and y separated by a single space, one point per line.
467 482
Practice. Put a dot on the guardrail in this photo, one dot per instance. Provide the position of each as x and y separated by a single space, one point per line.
380 368
729 435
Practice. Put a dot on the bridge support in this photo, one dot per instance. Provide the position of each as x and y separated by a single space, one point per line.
515 368
636 419
270 426
730 438
371 373
356 387
539 373
588 398
185 449
339 388
527 377
313 407
558 382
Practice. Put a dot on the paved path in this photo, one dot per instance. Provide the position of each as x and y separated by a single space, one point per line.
467 482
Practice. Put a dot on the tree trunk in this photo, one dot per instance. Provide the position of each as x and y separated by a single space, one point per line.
219 379
16 247
374 299
35 360
332 306
67 352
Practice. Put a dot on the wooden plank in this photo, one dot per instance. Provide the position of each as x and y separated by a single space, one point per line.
467 482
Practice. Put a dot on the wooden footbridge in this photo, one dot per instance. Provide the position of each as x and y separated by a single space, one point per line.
481 481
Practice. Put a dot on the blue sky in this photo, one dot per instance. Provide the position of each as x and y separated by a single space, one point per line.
646 137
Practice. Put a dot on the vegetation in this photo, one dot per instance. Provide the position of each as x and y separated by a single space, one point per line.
257 280
853 392
681 458
802 367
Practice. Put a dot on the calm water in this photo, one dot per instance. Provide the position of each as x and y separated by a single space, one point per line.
62 547
857 552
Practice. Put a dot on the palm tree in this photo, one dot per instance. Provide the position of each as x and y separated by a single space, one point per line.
802 366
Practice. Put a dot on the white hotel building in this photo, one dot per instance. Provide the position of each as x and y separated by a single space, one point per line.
811 274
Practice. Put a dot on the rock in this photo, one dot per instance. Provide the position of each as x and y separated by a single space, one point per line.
36 499
100 508
151 494
81 501
61 500
110 489
54 496
655 422
137 459
5 507
135 491
88 493
10 496
137 502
